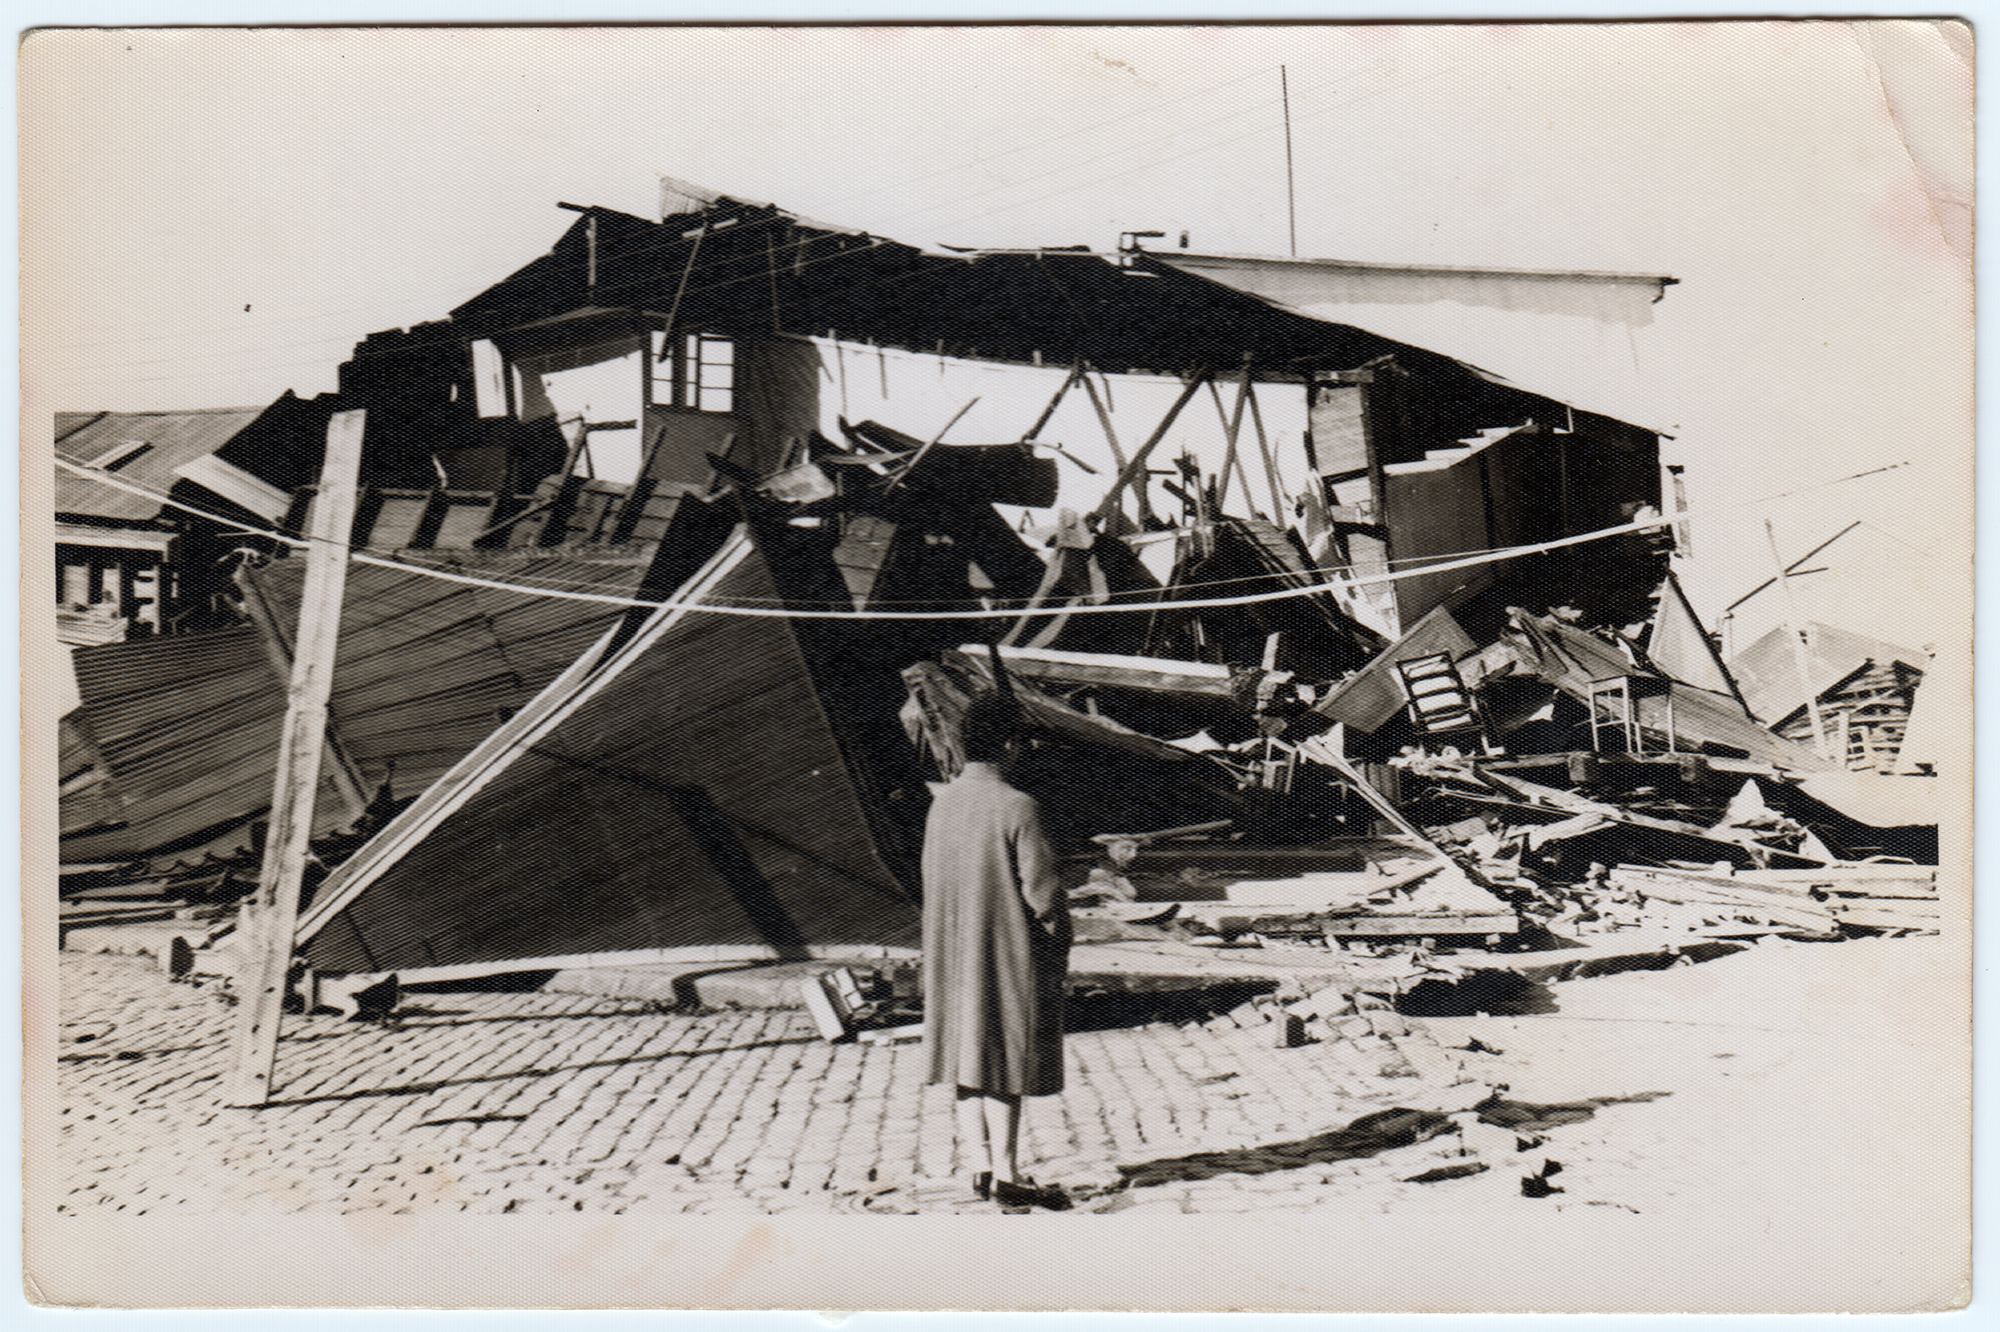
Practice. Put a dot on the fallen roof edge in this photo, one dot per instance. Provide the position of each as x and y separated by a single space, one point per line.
470 775
1372 266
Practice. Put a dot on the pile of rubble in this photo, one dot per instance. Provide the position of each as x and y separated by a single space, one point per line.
1296 765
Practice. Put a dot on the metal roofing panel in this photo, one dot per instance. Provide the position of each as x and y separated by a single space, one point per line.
1565 336
188 729
690 792
428 668
172 439
88 799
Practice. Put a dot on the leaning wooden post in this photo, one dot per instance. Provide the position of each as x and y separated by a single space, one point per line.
1280 511
1134 470
1232 424
269 920
1801 653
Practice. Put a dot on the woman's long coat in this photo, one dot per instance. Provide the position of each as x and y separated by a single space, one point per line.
996 940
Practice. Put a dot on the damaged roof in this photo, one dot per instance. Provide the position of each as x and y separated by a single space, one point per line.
701 799
145 448
1768 669
428 668
1563 335
739 265
187 724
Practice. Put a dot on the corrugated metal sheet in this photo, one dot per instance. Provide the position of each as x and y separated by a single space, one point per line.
173 438
88 798
692 792
188 725
428 668
188 729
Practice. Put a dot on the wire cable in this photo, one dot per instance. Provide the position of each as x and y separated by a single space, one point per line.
1336 585
905 218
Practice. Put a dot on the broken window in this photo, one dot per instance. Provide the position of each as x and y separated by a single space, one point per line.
489 379
594 391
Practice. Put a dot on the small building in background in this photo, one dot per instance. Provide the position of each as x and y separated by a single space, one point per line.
1864 689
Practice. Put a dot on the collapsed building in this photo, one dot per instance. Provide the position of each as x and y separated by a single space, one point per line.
688 540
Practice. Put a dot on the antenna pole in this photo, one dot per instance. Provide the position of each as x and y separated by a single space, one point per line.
1291 196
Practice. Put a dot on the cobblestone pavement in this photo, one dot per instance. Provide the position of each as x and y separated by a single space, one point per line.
539 1102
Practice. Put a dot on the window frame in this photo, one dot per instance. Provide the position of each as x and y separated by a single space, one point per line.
699 376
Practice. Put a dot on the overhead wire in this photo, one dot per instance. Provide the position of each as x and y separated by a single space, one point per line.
475 283
1158 162
1152 603
639 252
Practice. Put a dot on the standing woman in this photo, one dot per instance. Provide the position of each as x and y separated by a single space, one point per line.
996 952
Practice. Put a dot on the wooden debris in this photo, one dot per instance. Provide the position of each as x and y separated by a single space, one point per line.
1729 895
826 1015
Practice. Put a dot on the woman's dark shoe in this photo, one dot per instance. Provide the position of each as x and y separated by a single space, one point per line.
1027 1193
982 1184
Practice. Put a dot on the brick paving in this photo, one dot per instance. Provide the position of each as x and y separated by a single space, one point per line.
547 1102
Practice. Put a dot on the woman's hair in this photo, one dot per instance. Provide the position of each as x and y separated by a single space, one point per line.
990 721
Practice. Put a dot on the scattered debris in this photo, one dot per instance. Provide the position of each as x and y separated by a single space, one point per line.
1537 1185
1439 1174
850 1005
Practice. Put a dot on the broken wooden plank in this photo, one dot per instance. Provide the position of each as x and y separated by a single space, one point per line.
1322 750
1153 675
1745 886
820 1005
1135 468
1328 888
1723 897
1549 797
1886 916
1421 924
1919 881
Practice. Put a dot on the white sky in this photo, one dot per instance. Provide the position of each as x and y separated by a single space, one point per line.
211 217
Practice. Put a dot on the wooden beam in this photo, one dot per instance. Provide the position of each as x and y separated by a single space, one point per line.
1801 654
1153 675
1232 424
1279 510
268 919
1075 373
1103 419
932 443
1135 469
466 778
1497 921
1053 574
1327 748
280 646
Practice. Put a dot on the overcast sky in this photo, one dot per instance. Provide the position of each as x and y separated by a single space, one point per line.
211 218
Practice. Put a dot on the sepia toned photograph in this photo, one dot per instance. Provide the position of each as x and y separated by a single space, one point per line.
1177 667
